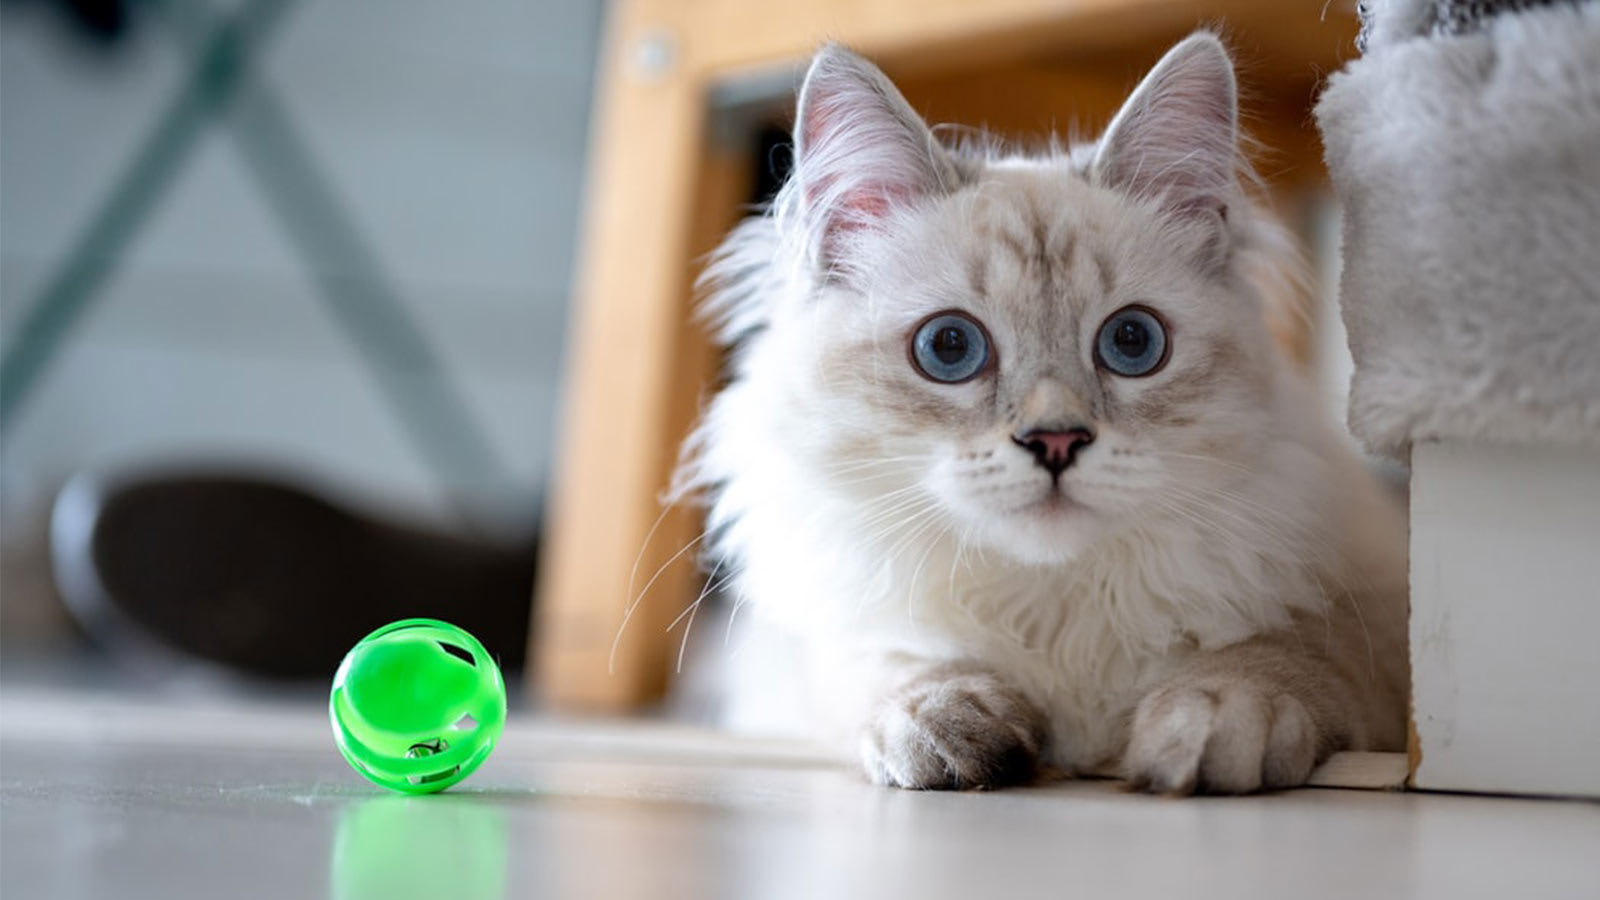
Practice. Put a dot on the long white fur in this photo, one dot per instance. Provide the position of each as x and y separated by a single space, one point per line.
856 551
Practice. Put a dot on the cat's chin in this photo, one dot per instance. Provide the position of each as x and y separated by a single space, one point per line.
1050 531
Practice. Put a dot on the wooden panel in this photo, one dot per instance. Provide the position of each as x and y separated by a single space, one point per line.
934 34
659 196
944 35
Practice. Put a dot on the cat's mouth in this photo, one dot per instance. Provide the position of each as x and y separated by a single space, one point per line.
1054 502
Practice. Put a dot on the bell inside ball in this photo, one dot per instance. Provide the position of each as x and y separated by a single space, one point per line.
417 706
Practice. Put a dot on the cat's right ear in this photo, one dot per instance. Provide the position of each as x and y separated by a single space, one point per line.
1177 138
861 152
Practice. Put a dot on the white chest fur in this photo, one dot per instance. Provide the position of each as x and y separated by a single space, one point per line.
1082 640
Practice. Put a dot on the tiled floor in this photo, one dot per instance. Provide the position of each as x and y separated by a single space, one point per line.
112 799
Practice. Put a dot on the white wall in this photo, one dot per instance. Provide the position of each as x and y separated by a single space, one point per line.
455 136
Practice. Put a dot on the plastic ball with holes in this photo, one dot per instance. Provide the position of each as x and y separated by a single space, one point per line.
417 706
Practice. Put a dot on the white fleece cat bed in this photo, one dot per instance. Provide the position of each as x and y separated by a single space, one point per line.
1465 147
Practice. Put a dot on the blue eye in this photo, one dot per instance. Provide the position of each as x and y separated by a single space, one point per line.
1131 343
950 347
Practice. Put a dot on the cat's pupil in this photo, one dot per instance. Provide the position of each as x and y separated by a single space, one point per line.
950 345
1131 338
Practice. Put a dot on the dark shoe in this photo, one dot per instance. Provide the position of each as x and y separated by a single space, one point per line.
268 577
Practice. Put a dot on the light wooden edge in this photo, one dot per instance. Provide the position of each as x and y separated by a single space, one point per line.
1362 770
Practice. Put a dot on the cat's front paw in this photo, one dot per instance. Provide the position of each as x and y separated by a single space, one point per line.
956 727
1219 736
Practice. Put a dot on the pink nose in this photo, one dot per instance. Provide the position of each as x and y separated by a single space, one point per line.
1054 450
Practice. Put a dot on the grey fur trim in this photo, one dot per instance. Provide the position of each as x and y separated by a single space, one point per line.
1388 21
1469 170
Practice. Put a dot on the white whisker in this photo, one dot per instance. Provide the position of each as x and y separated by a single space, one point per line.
611 660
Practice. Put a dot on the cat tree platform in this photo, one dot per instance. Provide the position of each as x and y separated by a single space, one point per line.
1471 289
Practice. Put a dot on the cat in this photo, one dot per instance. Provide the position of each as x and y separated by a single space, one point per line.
1008 449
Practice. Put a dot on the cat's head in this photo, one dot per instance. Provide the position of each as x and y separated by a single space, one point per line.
1030 350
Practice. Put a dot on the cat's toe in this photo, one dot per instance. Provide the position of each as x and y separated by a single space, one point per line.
1219 738
953 733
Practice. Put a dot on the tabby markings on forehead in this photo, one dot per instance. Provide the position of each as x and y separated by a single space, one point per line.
1011 243
1033 255
1042 261
978 275
1103 268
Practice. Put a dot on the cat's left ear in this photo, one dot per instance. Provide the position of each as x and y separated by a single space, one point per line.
1176 140
861 152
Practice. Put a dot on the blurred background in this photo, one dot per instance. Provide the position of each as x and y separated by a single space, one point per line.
285 290
326 241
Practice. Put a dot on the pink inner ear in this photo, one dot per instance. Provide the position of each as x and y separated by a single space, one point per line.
862 198
860 153
854 207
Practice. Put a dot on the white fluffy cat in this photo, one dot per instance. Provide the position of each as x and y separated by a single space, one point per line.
1010 450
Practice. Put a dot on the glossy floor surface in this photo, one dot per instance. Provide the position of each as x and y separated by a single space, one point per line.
110 798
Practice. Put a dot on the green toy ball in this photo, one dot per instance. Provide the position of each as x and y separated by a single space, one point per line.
417 706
